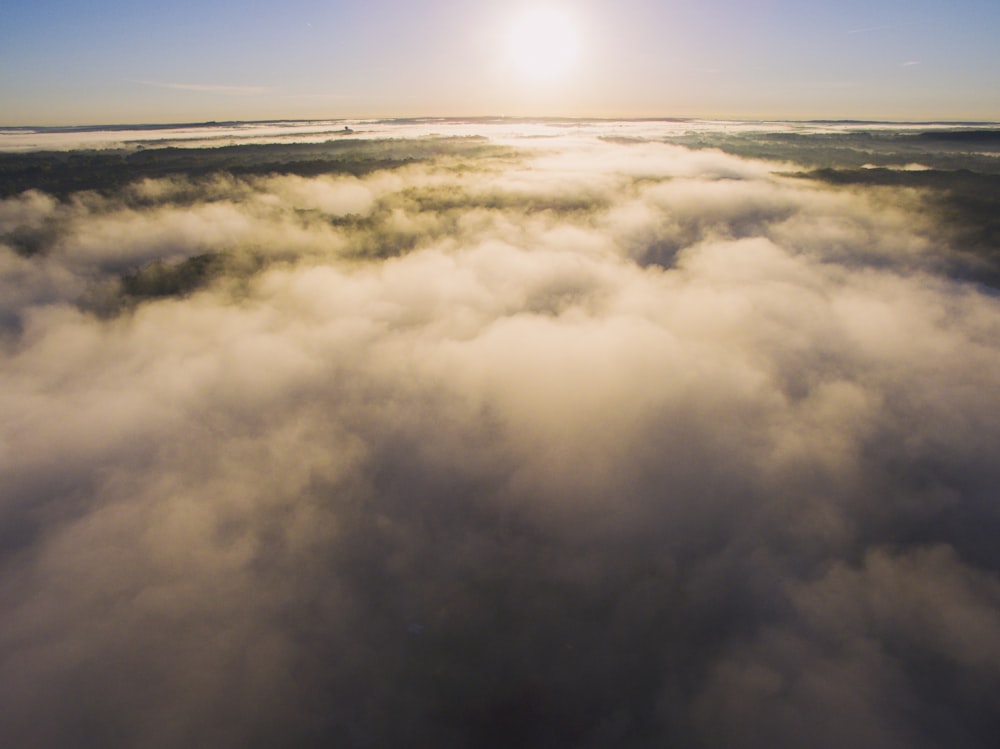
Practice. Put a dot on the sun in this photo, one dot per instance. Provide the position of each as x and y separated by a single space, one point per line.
544 43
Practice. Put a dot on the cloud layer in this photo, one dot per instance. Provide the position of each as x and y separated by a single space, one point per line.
599 445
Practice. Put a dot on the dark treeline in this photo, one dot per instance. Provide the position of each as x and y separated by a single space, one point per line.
956 171
62 173
967 202
971 149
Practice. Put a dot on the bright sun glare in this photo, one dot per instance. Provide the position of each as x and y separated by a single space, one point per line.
543 44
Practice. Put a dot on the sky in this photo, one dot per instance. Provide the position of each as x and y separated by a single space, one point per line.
70 62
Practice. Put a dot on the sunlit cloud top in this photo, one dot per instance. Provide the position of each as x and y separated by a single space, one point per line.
541 434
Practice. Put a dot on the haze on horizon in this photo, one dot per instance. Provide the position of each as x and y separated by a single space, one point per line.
66 62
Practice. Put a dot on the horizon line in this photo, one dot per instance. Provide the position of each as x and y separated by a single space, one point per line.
126 126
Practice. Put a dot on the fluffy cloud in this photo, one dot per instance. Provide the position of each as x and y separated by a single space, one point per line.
603 445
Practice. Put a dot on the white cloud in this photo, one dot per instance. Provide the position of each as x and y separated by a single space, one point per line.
645 443
211 88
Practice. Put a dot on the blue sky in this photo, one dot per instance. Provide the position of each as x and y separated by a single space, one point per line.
73 62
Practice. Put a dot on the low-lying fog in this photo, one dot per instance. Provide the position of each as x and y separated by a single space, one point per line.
585 442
